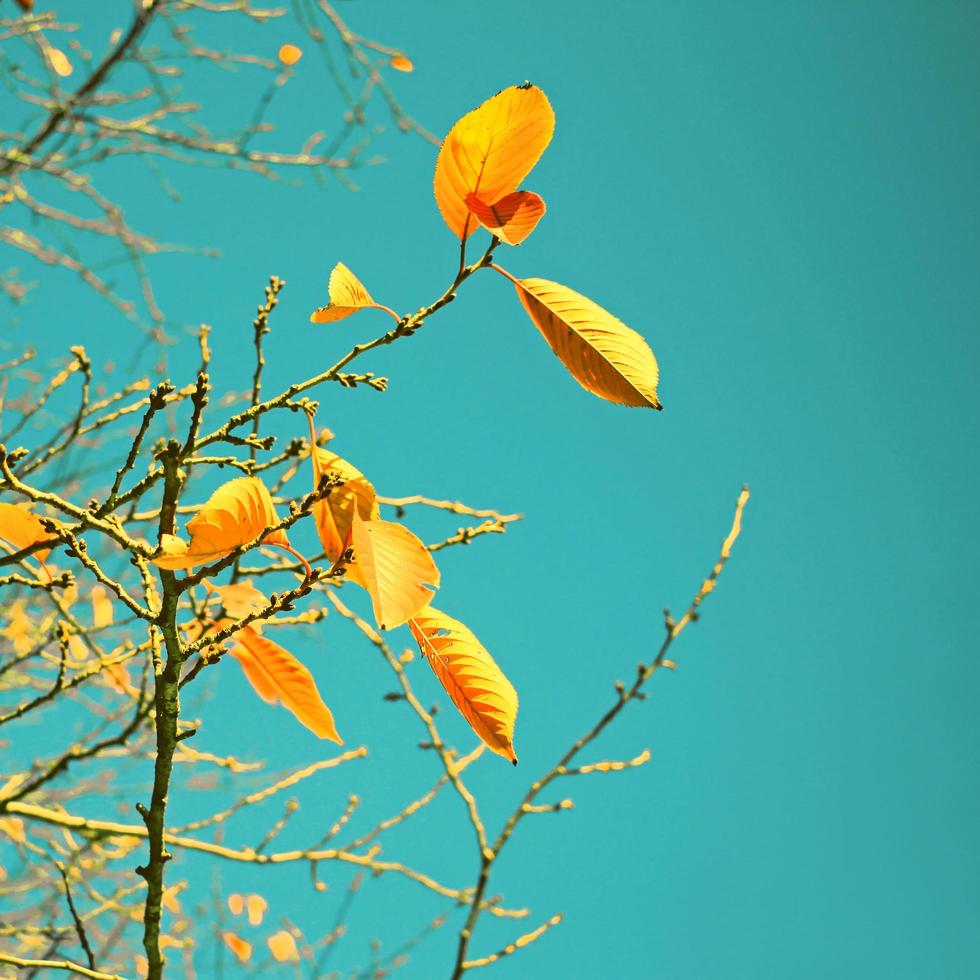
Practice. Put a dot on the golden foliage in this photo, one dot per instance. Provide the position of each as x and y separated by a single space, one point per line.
289 54
471 677
401 63
347 296
512 218
283 947
59 61
603 355
276 675
490 151
256 907
235 515
396 568
20 528
242 948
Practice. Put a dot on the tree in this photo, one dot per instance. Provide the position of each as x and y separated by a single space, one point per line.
145 611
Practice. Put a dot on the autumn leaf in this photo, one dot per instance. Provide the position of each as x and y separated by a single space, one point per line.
401 63
512 218
59 62
101 607
242 948
236 903
603 355
471 677
20 528
490 151
240 598
289 54
283 947
256 907
277 675
235 515
396 568
335 514
347 296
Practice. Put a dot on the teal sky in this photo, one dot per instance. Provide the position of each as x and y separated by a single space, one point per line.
782 198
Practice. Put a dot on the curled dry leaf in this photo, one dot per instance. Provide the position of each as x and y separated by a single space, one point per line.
512 218
276 675
282 945
490 151
289 54
242 948
347 296
20 528
602 354
396 569
236 514
471 677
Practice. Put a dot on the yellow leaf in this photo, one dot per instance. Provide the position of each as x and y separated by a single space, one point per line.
347 296
236 904
13 827
236 514
490 151
240 947
20 528
289 54
117 677
59 62
335 514
276 675
283 947
602 354
471 677
401 63
512 218
240 599
396 568
256 906
101 607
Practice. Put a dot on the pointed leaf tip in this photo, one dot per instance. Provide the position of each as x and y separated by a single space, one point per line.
603 355
471 677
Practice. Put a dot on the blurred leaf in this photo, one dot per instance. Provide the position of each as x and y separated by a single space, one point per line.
283 947
101 607
490 151
289 54
276 675
401 63
59 61
396 568
603 355
236 514
471 677
240 947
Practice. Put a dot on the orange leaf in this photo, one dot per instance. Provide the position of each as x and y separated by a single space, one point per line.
236 903
283 947
401 63
490 151
471 677
335 514
396 568
20 528
602 354
512 218
256 906
277 675
289 54
242 948
235 515
347 296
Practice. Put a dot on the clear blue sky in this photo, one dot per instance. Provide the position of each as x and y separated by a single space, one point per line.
782 197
